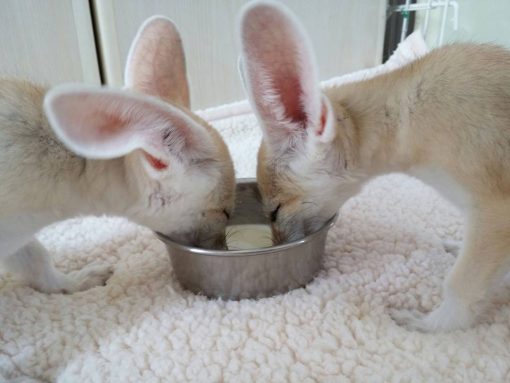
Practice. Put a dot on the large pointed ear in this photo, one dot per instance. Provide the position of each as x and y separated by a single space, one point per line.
156 63
280 74
98 123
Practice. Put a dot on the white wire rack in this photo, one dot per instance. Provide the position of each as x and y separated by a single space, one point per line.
427 6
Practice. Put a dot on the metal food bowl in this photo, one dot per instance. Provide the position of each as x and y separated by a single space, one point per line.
239 274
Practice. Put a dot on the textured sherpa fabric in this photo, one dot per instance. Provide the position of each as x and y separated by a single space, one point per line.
384 252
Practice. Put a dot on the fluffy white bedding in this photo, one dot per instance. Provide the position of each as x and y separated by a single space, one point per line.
385 251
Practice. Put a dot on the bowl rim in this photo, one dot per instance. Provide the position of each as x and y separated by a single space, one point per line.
249 252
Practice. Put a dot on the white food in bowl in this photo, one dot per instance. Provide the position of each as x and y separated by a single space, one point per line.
244 237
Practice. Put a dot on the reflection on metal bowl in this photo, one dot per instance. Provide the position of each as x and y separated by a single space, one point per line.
253 273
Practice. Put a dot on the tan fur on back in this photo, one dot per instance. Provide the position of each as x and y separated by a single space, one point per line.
28 143
450 109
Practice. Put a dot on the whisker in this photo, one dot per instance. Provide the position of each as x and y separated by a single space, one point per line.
231 233
228 235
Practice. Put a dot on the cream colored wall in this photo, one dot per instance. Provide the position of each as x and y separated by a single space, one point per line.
479 21
52 41
48 41
347 35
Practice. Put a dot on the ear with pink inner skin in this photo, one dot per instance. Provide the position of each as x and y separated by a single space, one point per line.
104 124
156 65
280 75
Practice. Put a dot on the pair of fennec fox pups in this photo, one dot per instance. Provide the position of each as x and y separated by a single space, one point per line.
141 153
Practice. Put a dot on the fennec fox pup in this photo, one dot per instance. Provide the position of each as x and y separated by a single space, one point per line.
138 153
444 118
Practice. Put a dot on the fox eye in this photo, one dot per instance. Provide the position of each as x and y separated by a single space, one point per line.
226 213
274 213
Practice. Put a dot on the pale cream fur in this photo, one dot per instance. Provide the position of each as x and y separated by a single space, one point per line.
446 115
187 195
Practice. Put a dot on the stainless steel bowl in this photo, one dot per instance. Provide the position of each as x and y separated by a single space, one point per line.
238 274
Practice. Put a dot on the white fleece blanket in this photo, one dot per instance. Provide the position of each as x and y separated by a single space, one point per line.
385 251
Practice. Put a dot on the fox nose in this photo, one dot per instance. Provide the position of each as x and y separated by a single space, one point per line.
278 235
293 230
220 243
216 242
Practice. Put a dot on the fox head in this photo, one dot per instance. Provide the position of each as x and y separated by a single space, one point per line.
301 170
175 166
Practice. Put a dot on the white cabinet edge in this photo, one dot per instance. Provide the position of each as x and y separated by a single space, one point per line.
381 33
86 43
107 40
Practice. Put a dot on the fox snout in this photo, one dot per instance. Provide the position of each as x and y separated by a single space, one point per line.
202 239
